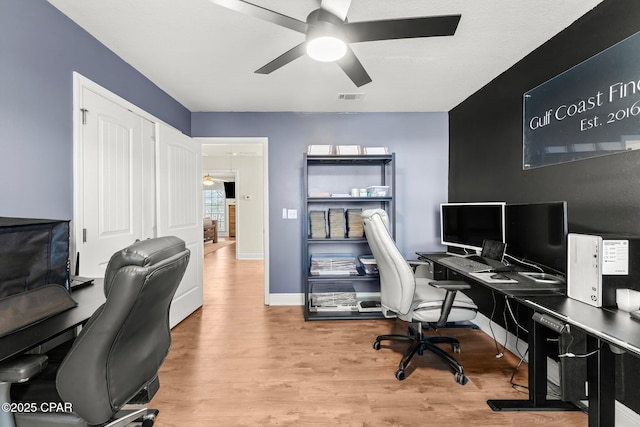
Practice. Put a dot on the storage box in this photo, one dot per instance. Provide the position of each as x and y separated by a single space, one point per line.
369 264
378 191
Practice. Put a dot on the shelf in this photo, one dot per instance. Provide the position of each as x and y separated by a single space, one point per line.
359 159
355 171
342 278
342 315
348 199
338 240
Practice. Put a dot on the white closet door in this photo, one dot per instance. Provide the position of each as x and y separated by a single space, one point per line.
179 209
111 153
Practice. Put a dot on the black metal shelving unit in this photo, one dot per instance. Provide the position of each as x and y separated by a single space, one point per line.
358 246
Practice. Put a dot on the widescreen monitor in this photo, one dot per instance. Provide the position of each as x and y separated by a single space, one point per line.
467 225
537 233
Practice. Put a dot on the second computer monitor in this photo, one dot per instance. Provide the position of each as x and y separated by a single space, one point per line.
537 233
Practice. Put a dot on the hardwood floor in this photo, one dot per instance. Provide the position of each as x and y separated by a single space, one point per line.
237 362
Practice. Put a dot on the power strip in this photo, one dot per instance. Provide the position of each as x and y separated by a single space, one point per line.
550 322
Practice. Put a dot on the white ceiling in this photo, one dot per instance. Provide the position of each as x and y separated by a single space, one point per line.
204 55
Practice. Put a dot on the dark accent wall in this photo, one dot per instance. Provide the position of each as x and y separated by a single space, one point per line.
485 162
40 48
485 154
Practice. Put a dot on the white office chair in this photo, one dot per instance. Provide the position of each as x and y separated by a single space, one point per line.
418 301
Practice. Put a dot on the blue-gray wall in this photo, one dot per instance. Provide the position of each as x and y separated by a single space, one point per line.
420 141
39 50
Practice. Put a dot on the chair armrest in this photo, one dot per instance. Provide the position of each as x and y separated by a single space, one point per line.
451 286
22 368
417 262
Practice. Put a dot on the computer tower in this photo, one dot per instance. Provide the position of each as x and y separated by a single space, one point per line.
597 265
573 370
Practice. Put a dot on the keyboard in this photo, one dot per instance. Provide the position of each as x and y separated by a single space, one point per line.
465 264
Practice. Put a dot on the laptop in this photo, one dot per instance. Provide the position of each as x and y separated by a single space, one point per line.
492 253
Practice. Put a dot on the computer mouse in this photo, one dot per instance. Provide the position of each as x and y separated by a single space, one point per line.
500 277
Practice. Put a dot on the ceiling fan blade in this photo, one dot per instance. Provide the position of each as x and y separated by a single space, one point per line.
401 28
283 59
262 13
354 69
339 8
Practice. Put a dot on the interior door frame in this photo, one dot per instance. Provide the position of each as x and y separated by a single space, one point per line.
264 141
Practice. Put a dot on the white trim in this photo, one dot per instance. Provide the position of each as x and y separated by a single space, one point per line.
250 256
286 299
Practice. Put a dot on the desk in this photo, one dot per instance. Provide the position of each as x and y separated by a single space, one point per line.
537 365
604 328
89 298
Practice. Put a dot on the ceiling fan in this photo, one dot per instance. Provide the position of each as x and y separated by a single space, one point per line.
329 24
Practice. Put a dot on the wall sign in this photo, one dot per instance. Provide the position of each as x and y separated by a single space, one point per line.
592 109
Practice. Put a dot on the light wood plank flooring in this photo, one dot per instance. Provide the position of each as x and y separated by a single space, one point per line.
236 362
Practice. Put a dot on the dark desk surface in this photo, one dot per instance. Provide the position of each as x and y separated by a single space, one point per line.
608 324
89 298
524 286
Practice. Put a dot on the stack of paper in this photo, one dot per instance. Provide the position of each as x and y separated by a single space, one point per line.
347 150
320 150
319 194
333 264
334 295
355 228
318 223
336 223
375 150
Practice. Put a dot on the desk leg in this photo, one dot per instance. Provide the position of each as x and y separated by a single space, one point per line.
602 384
537 379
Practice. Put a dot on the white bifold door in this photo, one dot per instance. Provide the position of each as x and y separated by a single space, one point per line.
136 180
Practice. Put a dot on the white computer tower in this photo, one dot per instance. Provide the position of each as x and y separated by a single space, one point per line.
599 264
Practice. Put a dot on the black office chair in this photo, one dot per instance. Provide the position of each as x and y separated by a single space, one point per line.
418 301
116 357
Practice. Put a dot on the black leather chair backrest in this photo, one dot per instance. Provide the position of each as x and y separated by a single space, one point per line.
122 346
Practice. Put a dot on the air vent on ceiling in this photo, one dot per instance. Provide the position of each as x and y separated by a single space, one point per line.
350 96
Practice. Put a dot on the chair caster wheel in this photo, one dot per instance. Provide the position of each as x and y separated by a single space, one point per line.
400 374
455 348
461 379
376 345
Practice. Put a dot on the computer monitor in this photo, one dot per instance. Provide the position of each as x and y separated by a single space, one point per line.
467 225
537 233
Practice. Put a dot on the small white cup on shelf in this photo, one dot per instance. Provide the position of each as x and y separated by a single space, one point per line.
628 299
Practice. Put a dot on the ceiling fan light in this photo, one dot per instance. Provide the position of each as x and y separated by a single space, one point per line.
326 48
207 180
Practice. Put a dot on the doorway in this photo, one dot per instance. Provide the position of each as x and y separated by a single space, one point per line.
245 162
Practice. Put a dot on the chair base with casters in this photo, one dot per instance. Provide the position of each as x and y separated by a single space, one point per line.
418 342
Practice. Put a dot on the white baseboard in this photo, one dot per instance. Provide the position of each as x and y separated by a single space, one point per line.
286 299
